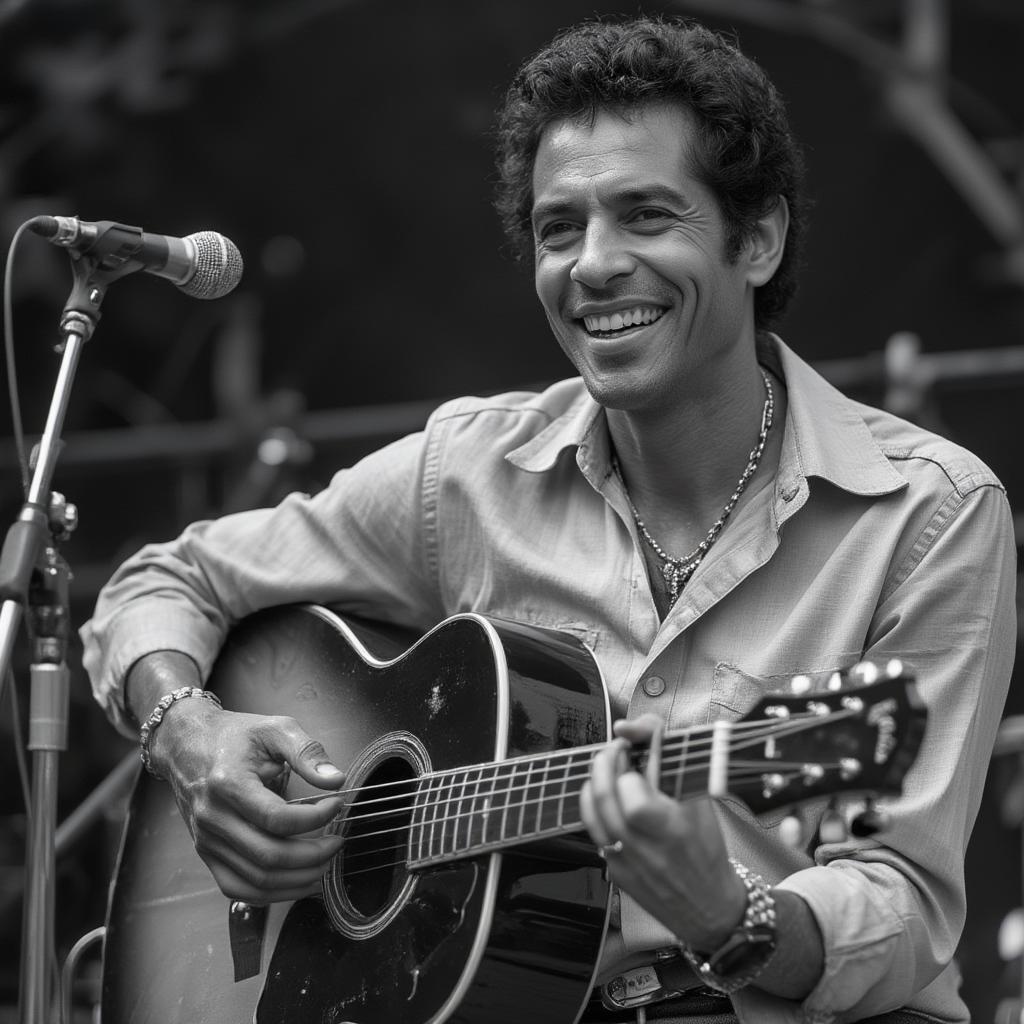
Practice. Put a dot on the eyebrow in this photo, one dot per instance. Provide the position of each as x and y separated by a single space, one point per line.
625 197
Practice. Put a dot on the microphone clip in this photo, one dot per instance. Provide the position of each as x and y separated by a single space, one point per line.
108 260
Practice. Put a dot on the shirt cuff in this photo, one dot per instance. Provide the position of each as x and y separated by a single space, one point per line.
135 633
861 933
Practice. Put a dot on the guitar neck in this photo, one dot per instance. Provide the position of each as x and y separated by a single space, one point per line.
485 808
788 750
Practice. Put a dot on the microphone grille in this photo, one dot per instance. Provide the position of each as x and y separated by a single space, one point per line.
218 266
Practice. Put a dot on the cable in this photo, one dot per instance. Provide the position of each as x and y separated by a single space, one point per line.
67 977
19 747
12 371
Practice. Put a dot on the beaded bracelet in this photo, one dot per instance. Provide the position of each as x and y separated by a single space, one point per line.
746 952
157 716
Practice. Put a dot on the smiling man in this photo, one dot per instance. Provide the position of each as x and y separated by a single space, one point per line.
696 504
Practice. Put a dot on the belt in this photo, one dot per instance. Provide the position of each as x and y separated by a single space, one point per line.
694 1007
666 988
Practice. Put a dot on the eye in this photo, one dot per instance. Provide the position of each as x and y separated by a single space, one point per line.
650 217
556 234
555 229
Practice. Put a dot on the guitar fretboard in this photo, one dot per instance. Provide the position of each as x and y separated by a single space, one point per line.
468 811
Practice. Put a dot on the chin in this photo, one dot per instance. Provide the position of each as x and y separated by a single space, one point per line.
620 395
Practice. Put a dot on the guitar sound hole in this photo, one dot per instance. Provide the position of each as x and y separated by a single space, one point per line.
376 833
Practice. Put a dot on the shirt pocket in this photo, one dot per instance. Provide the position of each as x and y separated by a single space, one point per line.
735 692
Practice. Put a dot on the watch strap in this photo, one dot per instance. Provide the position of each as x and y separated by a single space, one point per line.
749 947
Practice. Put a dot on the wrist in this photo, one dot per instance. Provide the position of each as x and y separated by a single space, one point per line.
712 932
738 957
151 727
152 676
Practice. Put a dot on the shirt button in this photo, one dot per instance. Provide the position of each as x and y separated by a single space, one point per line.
654 686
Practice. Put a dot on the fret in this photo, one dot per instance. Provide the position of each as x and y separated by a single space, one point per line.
538 826
449 819
423 802
560 818
681 768
476 815
503 796
438 820
488 801
416 821
457 814
521 796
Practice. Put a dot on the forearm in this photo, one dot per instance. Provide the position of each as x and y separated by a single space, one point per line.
799 958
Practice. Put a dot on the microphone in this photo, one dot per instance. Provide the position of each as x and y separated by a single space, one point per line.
205 265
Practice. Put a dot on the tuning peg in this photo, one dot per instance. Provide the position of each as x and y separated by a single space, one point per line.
791 831
832 828
864 672
799 685
869 822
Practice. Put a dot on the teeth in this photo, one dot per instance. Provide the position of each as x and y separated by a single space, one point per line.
623 318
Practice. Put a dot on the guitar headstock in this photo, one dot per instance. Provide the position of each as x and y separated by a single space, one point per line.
858 730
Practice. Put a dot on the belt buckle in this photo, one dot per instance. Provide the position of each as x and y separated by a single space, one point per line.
637 987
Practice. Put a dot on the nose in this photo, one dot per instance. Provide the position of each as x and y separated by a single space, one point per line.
602 256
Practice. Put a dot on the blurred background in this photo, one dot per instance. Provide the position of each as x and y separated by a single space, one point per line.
344 145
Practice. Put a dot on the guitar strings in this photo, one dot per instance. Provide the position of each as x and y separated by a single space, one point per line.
474 849
749 770
739 770
678 756
684 744
538 758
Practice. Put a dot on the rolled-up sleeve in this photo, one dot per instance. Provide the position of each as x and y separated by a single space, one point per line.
358 544
891 910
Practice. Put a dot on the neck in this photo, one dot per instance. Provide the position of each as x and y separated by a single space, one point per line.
467 811
681 465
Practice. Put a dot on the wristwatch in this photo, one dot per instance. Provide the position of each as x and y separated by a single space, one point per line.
748 948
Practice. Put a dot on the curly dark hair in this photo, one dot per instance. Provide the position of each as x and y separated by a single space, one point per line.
746 154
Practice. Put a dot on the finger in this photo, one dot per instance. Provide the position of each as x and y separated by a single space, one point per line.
640 729
267 861
237 886
220 830
271 813
591 820
635 796
607 765
647 810
286 740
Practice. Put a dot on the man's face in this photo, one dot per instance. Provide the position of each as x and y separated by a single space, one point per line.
630 264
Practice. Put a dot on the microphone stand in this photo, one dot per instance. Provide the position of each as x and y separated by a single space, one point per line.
34 579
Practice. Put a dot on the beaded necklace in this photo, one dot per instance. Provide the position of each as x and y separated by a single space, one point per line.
676 570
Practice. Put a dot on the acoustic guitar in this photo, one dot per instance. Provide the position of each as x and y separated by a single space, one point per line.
466 890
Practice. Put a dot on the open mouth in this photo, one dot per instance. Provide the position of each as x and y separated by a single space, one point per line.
611 325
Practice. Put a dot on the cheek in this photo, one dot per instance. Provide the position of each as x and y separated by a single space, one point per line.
547 284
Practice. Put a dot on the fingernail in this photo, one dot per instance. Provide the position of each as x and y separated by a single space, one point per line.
328 770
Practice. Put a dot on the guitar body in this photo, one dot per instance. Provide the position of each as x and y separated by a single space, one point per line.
482 940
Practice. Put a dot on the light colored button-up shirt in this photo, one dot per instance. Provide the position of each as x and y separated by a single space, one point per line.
875 539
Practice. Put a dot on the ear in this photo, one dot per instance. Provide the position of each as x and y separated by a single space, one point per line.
767 244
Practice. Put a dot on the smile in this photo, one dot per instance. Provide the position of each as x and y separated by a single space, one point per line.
622 319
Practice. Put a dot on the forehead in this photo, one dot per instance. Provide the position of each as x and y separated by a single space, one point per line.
619 152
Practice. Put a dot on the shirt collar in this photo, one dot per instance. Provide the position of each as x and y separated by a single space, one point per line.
826 435
581 426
